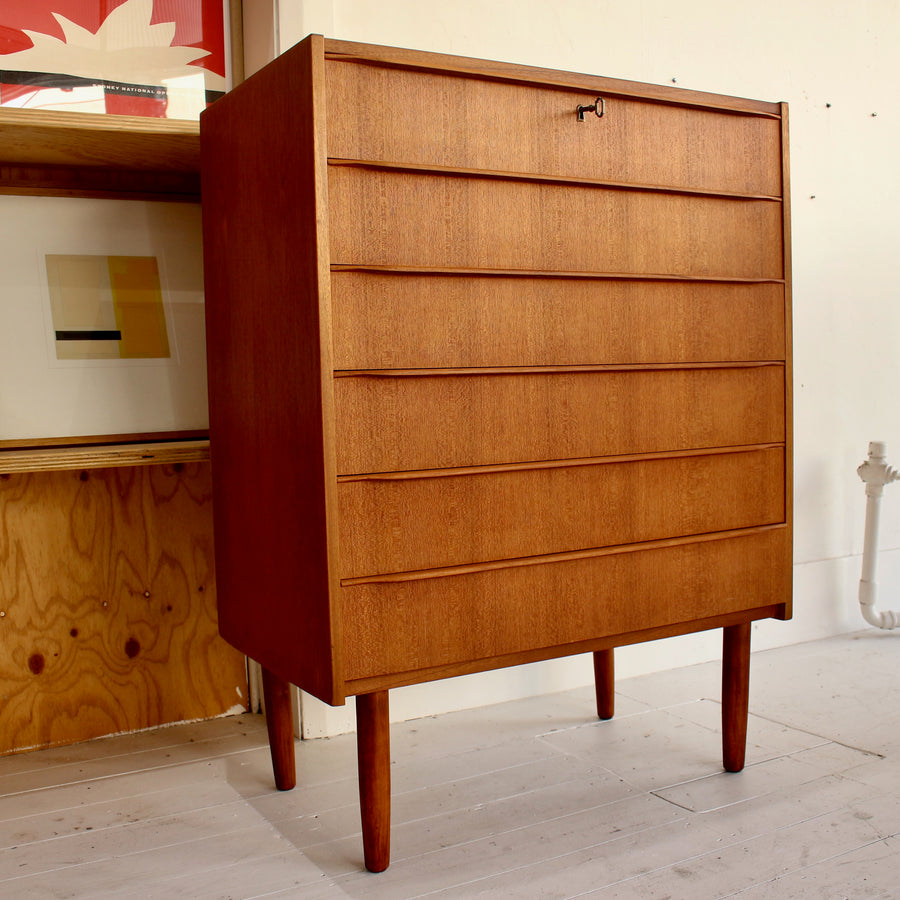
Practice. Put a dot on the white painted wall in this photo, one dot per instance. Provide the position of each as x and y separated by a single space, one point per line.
846 191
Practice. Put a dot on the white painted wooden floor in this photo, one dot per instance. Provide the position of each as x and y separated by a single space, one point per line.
529 799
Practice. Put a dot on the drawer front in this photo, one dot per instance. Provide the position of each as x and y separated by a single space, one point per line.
405 626
399 423
384 321
409 219
398 115
405 524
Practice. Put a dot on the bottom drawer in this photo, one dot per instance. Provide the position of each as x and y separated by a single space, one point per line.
402 626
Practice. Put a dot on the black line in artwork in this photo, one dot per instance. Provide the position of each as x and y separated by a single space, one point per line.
89 335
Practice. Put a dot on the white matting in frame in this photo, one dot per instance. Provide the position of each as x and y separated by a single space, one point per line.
153 387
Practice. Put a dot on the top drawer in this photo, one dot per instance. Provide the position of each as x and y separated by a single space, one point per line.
436 119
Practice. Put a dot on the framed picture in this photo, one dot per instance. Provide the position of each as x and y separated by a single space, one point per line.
103 318
159 58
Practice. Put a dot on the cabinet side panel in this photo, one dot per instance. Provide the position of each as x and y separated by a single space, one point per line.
265 302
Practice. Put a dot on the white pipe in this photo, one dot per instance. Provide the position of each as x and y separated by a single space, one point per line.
875 473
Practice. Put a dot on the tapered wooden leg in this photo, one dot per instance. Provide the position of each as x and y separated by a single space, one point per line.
373 745
605 682
280 725
735 694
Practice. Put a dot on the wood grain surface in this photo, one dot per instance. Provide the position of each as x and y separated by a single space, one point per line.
438 118
387 424
82 154
59 138
384 217
107 605
409 625
400 320
422 523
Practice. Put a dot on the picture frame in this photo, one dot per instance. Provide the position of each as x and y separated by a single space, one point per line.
154 58
45 394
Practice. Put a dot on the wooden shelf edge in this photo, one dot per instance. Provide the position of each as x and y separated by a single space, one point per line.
98 183
60 120
55 459
104 440
36 140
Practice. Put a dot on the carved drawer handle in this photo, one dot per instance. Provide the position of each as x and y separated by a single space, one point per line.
598 107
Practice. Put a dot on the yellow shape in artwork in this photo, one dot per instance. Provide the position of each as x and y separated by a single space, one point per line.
107 307
138 304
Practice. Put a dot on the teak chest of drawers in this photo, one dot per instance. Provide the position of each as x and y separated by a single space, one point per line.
499 371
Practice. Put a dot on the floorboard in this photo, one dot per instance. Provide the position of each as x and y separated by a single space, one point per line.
531 799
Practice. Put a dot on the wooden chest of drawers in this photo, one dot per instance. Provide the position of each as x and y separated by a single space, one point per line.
499 371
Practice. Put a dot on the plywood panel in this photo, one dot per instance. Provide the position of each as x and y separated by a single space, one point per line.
389 423
108 604
411 320
404 524
411 116
404 626
411 219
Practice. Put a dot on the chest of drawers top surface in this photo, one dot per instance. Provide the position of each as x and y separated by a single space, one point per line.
490 380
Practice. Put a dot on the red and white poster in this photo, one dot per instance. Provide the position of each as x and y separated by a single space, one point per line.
162 58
